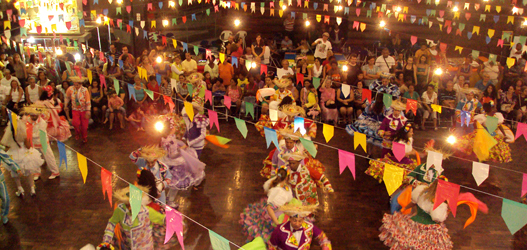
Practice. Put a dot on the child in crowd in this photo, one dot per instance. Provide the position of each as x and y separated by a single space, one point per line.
115 106
137 119
242 81
218 91
208 80
311 106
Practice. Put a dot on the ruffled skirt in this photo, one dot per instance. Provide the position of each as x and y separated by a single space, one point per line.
29 160
367 126
256 221
376 169
61 132
183 179
399 231
501 152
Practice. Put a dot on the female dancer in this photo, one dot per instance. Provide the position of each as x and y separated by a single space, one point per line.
58 126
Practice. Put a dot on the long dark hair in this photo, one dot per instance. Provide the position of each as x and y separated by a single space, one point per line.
281 175
287 100
147 179
402 133
493 94
377 106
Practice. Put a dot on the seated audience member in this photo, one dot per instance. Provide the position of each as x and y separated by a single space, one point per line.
137 119
447 99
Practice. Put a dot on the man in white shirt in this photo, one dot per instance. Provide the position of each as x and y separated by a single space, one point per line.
189 65
323 46
385 62
6 81
285 71
493 70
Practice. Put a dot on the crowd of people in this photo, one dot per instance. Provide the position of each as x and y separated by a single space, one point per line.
115 87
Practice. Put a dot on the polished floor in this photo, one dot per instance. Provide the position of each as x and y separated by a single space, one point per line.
67 214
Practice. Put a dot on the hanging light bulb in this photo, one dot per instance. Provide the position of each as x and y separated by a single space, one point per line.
438 71
119 1
77 57
165 22
524 22
58 51
455 9
514 10
284 7
105 19
98 21
437 2
340 7
237 22
398 9
382 24
345 68
253 65
31 39
171 4
159 126
159 59
451 139
307 23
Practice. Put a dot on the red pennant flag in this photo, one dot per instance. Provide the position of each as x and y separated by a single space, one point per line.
106 182
300 78
68 25
22 22
500 43
216 8
168 100
411 105
271 4
111 22
263 69
356 25
128 29
441 13
467 16
128 9
442 47
61 39
184 19
39 29
346 159
61 5
78 70
413 39
458 32
40 56
449 192
326 19
380 14
366 94
29 133
50 17
449 29
149 7
448 23
164 40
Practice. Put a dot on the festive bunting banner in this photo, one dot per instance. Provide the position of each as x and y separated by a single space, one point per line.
227 101
392 177
366 94
411 105
524 185
521 129
434 159
242 126
270 136
346 159
249 109
514 214
447 191
174 224
62 154
213 119
218 242
43 140
309 146
190 110
492 123
135 197
359 139
480 172
328 131
387 100
106 182
399 150
83 166
436 108
299 124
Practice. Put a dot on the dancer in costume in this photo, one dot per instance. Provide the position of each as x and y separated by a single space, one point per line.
28 158
390 125
198 93
58 127
196 130
281 92
260 218
468 105
137 234
81 109
147 158
297 233
4 196
185 168
424 229
370 121
286 118
501 151
304 180
288 144
35 118
175 124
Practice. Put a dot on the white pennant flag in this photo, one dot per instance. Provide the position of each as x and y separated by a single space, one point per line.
213 2
253 7
436 159
262 9
430 24
480 171
346 90
136 31
142 24
273 115
339 20
110 1
7 34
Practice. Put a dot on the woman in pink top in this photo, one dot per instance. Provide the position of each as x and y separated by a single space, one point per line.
327 103
81 106
234 92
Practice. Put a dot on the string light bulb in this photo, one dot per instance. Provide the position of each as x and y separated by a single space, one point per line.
171 4
98 21
345 68
455 9
284 7
119 1
159 59
237 22
382 24
159 126
31 39
438 71
58 52
451 140
105 19
253 65
514 9
398 9
340 7
524 22
165 22
307 23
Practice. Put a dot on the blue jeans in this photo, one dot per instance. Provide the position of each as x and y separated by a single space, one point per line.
4 197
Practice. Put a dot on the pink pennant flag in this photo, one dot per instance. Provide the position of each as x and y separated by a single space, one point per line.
129 9
357 11
68 25
447 191
50 17
106 181
346 159
174 224
442 47
500 43
399 150
78 70
101 55
356 25
22 22
326 7
468 15
441 13
216 9
168 100
300 78
208 96
85 2
39 29
149 6
263 69
449 29
227 101
213 118
40 56
448 23
271 4
413 39
524 185
103 81
521 129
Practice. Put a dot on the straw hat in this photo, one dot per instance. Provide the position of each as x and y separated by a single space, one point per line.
398 105
283 83
197 106
288 133
194 77
152 152
474 91
295 156
34 109
293 110
123 195
295 208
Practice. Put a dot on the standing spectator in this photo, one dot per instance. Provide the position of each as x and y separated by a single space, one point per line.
447 98
429 97
189 65
176 68
154 87
492 70
89 62
32 91
353 70
412 94
421 74
323 47
226 72
8 78
423 51
289 25
409 70
337 36
301 67
33 66
212 68
20 70
286 44
258 47
129 71
79 97
129 57
237 48
385 62
285 71
115 106
371 72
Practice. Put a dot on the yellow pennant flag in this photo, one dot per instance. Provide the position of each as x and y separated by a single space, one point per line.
190 110
7 24
271 12
487 8
393 177
90 77
94 14
475 30
54 27
237 6
222 57
280 12
436 108
490 33
359 139
400 18
175 43
440 27
83 166
319 17
458 48
378 9
362 27
328 131
510 61
498 9
14 117
456 15
510 19
405 9
306 4
153 25
483 141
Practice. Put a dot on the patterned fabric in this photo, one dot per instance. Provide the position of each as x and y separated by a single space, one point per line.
399 232
391 89
10 164
501 152
390 125
198 94
265 121
196 131
160 171
278 96
283 239
376 169
304 186
256 221
136 234
58 127
80 98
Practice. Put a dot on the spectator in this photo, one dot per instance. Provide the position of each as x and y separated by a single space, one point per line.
353 70
301 68
89 62
517 51
318 69
511 75
371 72
508 102
129 57
409 70
189 65
235 92
399 81
335 74
435 82
490 94
237 48
111 69
139 60
20 70
97 101
358 104
33 64
412 94
492 70
522 104
226 46
208 80
61 89
137 119
81 106
249 54
385 62
337 36
286 44
465 70
212 68
303 48
176 68
311 106
32 91
218 89
182 89
285 71
447 98
8 78
258 46
484 83
240 68
166 88
421 74
242 81
129 71
16 98
399 64
163 68
153 86
384 86
115 106
423 51
226 72
345 104
66 55
323 47
429 97
139 93
289 25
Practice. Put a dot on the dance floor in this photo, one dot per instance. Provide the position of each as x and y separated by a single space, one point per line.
67 214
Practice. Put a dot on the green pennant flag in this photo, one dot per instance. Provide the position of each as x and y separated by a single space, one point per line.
43 141
150 93
383 7
249 108
304 15
514 214
461 26
425 20
433 13
190 88
196 50
492 124
75 44
155 37
68 67
217 242
316 82
118 11
475 54
79 15
208 12
364 4
309 146
223 140
68 41
135 196
428 2
387 100
493 57
174 21
523 39
180 2
242 126
483 17
116 86
368 13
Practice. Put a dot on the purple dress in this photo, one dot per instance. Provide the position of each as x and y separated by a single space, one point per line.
390 125
282 238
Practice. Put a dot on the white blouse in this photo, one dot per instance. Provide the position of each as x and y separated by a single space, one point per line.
439 214
277 196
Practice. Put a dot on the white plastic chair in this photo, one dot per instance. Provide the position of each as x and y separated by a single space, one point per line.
224 36
242 34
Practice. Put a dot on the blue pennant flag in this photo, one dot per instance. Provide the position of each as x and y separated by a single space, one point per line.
160 5
62 154
234 60
293 14
131 23
121 64
469 35
145 34
158 79
104 12
373 5
81 23
110 58
487 39
185 46
496 19
193 17
270 136
95 1
315 6
131 91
